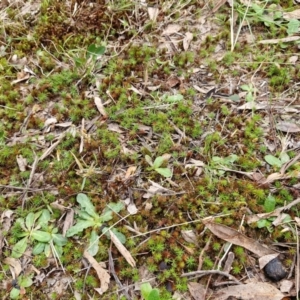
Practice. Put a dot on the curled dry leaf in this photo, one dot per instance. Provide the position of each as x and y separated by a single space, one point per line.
103 274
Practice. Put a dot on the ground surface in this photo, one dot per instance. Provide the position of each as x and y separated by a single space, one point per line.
168 127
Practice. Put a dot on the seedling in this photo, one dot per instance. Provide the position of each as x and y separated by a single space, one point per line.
88 217
36 229
20 284
158 162
251 92
148 293
269 206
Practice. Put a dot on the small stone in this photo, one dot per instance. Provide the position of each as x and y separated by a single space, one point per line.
275 270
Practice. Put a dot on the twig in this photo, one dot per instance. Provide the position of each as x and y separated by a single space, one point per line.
113 272
198 274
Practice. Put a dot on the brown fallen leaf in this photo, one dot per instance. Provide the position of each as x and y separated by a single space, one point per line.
100 106
102 273
287 127
237 238
252 290
122 249
197 290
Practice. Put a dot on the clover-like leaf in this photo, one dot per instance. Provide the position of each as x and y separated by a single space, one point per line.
270 204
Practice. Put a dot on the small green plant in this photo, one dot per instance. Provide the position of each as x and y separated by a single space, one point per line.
158 162
148 293
20 284
251 92
88 217
36 229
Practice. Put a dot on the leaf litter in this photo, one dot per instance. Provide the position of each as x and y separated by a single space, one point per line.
157 134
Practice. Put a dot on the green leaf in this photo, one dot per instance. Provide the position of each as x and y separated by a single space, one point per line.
263 223
166 172
293 26
25 281
246 87
95 51
41 236
115 207
38 248
284 157
86 204
47 250
79 227
118 234
273 161
149 160
59 239
154 295
270 204
174 98
235 97
30 219
45 217
94 243
158 162
19 248
14 293
146 289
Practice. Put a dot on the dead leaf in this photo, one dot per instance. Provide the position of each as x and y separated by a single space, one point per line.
69 219
14 265
130 171
171 28
100 106
252 290
102 273
173 81
237 238
153 13
189 236
197 290
126 254
295 14
22 163
286 286
287 127
187 40
264 260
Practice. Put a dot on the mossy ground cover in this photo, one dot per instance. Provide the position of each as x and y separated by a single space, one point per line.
89 90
